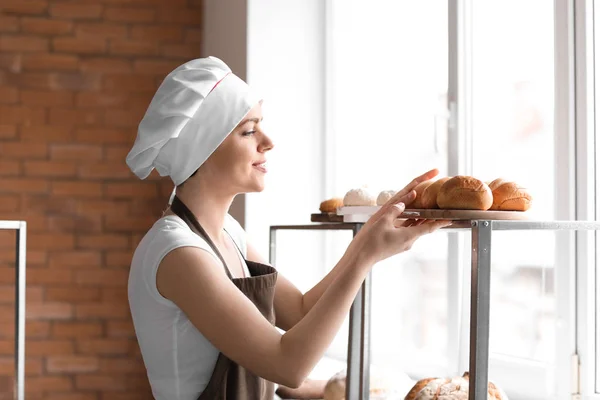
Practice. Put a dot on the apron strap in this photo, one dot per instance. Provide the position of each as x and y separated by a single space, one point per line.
183 212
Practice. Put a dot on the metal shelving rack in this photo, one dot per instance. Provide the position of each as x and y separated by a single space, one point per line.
21 245
357 385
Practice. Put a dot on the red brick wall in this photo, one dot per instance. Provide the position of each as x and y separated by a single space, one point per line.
75 80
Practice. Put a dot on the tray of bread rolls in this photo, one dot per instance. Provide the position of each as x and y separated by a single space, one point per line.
456 198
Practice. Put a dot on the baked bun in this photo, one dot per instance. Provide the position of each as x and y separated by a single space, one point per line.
509 196
464 193
429 195
385 196
331 205
416 203
456 388
359 197
335 389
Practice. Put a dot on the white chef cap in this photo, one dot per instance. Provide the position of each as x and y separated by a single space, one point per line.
195 108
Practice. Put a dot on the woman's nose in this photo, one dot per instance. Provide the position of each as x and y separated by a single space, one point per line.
266 143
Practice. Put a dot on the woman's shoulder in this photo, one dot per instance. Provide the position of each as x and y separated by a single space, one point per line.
233 227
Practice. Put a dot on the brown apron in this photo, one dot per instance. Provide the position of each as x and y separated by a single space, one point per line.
230 381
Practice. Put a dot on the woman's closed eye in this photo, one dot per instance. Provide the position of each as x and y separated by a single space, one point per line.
248 133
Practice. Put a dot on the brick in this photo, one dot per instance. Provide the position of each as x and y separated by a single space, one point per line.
33 330
33 366
73 295
9 168
129 14
23 43
49 205
49 347
75 10
133 48
76 224
160 33
9 95
77 152
47 98
17 150
11 62
46 133
28 7
53 241
184 51
9 203
63 169
47 276
129 83
118 258
106 65
111 310
102 277
72 364
122 365
103 207
102 242
129 190
49 311
40 384
116 153
124 118
76 189
105 346
71 396
33 80
193 35
104 136
50 62
157 67
122 329
86 45
9 23
44 26
75 81
105 171
15 185
7 132
72 117
179 16
97 100
128 224
32 294
117 294
75 259
143 206
76 330
21 115
101 30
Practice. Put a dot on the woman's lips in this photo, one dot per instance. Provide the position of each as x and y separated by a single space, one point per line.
261 167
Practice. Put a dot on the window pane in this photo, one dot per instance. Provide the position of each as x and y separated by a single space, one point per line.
388 94
513 138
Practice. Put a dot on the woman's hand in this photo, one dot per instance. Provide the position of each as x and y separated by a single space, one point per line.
382 237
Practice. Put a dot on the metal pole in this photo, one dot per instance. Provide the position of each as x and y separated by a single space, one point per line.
21 243
272 244
481 236
359 341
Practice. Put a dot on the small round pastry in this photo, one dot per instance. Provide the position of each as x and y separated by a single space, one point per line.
456 388
417 388
429 195
464 193
509 196
335 389
419 189
359 197
385 196
331 205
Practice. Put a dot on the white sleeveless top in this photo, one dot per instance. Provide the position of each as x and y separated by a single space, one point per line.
179 360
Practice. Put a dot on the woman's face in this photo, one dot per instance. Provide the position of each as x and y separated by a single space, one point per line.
239 162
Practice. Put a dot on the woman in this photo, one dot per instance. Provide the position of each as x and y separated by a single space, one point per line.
204 303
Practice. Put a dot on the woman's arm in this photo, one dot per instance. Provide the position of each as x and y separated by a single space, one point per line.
290 304
192 279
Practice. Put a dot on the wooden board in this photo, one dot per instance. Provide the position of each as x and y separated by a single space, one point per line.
361 214
324 217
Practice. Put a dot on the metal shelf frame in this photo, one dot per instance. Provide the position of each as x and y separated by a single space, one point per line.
359 344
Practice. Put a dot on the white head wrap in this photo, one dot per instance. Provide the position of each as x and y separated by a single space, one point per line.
195 108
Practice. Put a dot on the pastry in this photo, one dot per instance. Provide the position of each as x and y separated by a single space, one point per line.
456 388
385 196
359 197
335 389
429 195
509 196
464 193
331 205
416 203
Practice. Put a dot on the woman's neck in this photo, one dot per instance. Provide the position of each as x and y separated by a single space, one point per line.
209 207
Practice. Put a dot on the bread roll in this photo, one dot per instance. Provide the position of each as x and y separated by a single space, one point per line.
429 195
456 388
335 389
359 197
417 388
509 196
331 205
416 203
385 196
465 193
